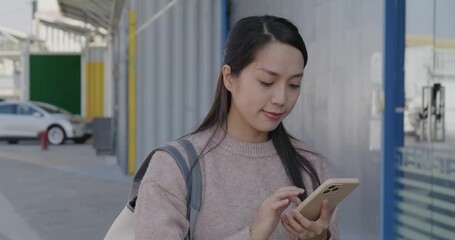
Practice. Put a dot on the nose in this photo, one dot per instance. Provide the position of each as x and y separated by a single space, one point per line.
279 96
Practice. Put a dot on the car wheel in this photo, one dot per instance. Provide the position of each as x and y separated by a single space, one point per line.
56 135
13 141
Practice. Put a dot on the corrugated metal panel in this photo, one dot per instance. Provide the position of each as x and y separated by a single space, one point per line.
333 113
119 45
108 81
178 61
56 79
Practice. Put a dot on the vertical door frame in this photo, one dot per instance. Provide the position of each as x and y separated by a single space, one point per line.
394 50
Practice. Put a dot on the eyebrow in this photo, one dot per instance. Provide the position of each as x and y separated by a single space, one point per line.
299 75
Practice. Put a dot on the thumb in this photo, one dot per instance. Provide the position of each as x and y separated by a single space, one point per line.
326 214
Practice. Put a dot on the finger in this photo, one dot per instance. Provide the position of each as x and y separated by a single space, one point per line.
280 210
304 235
285 223
291 230
284 218
280 204
326 214
306 223
293 222
290 188
286 194
296 200
310 235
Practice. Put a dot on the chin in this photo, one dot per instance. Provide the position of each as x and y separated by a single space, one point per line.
267 127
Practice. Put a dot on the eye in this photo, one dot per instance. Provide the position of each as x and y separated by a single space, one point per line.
266 84
294 86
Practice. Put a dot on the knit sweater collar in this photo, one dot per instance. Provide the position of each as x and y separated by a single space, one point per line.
239 147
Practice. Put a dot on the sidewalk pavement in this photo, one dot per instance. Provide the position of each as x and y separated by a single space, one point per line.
77 158
66 192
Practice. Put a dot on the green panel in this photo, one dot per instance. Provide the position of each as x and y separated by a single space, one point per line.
56 79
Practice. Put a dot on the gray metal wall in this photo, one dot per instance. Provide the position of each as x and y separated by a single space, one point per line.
334 111
119 47
177 65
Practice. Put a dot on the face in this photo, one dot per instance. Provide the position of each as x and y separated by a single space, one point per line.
264 92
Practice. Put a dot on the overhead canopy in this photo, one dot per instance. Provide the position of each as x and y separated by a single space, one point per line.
12 35
64 24
12 41
99 13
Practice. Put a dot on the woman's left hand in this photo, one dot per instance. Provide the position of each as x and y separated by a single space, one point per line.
296 224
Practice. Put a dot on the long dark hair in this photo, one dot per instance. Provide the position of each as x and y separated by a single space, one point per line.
245 39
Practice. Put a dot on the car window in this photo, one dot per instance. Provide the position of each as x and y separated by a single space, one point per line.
8 109
25 110
53 110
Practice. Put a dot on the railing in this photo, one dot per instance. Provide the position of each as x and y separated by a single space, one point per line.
445 61
425 206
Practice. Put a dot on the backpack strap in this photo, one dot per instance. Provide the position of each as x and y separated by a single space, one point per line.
137 179
196 186
193 182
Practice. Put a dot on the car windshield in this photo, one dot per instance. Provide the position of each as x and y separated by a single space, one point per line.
53 110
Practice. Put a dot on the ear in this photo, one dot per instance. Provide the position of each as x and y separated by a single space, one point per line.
228 80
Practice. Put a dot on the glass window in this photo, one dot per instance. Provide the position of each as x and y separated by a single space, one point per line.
8 109
52 109
25 110
425 177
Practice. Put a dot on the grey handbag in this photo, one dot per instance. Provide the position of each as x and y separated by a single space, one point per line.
123 226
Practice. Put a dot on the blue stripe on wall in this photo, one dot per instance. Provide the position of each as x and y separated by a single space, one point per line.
394 103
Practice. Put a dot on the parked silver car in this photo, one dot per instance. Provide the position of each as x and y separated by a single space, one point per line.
23 120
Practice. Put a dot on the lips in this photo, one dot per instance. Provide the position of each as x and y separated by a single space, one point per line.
274 116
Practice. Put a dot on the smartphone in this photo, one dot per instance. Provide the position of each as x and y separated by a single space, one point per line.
334 190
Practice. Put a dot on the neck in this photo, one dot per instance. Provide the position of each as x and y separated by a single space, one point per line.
243 132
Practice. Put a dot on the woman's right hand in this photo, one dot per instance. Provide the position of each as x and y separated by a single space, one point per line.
268 216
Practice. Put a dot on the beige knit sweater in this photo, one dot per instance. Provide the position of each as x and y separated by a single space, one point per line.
236 177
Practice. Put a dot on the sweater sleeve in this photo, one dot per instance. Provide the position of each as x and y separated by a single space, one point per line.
161 205
244 234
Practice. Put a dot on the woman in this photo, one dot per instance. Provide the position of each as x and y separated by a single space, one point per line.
253 172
